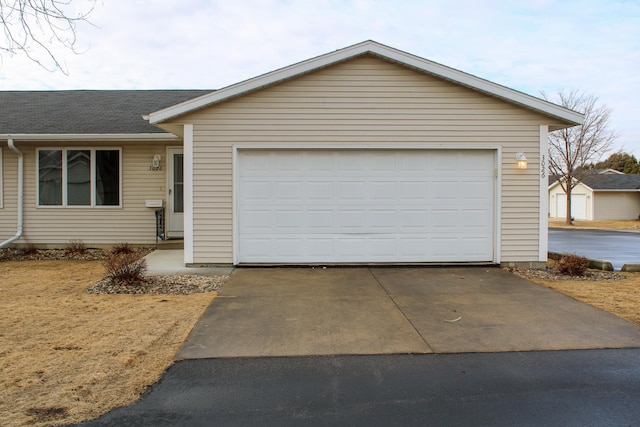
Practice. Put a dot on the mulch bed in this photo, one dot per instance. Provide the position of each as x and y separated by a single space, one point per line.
12 254
552 274
176 285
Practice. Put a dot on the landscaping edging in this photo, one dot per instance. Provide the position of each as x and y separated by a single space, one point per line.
595 264
631 268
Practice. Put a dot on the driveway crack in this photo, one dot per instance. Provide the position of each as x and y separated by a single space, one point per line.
400 309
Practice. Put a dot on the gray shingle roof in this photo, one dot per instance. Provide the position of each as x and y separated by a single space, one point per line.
85 111
613 182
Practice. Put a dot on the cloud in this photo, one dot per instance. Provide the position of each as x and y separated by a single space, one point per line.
530 46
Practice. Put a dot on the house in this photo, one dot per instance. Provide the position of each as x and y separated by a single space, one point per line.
364 155
600 195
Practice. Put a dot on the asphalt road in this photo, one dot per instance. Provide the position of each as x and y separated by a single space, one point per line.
615 246
564 388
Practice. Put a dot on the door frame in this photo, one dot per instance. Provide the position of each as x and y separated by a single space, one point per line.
171 217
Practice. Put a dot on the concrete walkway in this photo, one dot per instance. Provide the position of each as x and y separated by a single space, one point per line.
387 310
171 262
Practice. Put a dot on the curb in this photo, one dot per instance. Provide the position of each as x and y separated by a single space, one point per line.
596 264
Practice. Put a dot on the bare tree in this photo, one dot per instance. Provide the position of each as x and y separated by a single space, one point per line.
36 28
572 148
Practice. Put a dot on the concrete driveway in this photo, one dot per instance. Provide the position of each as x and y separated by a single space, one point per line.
395 310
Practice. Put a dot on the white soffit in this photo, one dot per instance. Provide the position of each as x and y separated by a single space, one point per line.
389 53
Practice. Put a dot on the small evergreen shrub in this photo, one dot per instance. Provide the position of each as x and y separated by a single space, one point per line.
125 268
76 247
572 265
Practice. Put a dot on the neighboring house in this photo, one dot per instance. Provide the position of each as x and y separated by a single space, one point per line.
601 195
364 155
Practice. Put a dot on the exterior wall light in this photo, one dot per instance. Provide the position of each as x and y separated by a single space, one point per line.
521 161
155 163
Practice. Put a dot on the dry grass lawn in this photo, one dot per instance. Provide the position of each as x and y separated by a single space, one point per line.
69 356
630 225
620 297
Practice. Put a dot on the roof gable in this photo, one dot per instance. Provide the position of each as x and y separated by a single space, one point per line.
562 115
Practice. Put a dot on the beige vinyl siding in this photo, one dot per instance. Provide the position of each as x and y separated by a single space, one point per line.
616 205
8 213
364 101
132 222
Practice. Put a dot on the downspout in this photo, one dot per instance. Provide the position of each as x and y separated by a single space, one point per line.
20 194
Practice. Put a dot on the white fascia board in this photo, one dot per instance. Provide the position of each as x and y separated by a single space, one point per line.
630 190
383 51
90 137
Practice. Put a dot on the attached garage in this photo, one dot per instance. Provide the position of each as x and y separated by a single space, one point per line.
365 155
365 206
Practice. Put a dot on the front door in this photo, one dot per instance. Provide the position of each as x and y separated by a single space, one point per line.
175 196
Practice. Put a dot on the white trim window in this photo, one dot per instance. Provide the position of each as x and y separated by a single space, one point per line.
79 177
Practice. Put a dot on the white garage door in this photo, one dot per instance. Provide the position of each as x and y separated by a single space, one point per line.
365 206
578 205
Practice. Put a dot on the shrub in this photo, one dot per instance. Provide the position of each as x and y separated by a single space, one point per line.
125 268
30 250
123 248
76 247
572 265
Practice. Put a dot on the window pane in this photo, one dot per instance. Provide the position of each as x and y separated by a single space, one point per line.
78 177
178 183
50 177
107 177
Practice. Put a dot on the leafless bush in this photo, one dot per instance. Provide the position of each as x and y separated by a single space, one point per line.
572 265
123 248
76 247
30 250
125 268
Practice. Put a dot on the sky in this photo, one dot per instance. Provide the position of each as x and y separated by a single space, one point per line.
533 46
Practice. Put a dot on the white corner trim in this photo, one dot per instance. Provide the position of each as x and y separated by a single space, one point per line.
497 246
543 228
380 50
234 208
188 193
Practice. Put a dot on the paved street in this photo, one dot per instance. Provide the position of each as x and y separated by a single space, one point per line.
566 388
618 247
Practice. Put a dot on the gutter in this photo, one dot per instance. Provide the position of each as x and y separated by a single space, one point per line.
20 194
91 136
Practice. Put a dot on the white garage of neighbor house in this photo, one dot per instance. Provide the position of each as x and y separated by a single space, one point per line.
601 195
364 155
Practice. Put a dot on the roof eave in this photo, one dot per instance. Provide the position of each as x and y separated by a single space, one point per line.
567 117
89 137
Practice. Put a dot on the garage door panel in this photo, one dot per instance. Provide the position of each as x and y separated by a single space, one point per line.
350 219
351 189
318 219
255 190
289 247
364 206
382 190
319 190
382 248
